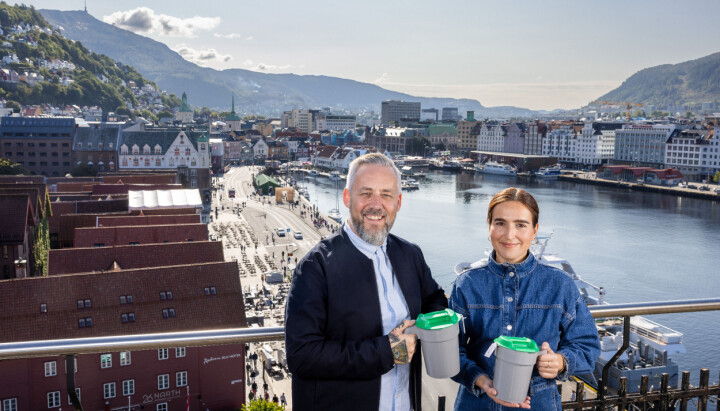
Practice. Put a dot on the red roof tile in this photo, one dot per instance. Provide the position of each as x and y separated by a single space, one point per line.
97 259
148 220
21 299
149 234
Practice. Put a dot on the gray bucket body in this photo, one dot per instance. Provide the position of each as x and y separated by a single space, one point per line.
440 350
513 370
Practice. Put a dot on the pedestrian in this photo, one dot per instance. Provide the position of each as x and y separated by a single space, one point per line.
266 396
275 399
283 401
346 313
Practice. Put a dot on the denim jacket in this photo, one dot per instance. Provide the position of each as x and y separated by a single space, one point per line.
529 300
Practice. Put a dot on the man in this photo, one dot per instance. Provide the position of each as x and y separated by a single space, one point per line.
350 300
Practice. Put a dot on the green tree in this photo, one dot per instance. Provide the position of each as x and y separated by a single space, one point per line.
41 248
417 145
165 113
688 114
262 405
8 167
14 105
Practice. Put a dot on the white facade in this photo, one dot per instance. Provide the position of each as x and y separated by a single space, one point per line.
335 122
181 153
561 143
491 137
260 149
595 148
302 120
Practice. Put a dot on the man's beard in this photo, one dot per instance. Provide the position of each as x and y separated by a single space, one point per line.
375 237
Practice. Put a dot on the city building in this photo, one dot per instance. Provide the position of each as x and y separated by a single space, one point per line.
185 114
596 143
42 145
514 141
233 121
95 145
535 132
443 134
688 151
392 111
642 144
450 114
334 122
466 140
429 114
560 142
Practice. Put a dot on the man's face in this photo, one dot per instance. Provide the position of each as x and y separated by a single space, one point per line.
373 202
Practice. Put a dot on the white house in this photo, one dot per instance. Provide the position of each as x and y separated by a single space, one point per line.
260 149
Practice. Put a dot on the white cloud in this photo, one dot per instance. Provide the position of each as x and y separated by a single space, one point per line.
250 38
228 36
204 57
251 65
145 20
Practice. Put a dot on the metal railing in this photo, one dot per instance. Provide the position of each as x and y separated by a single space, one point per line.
96 345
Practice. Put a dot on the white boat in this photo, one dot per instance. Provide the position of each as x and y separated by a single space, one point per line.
335 215
335 176
651 343
492 167
549 172
410 185
313 172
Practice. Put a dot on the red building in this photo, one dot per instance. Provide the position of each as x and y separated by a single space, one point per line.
127 301
107 236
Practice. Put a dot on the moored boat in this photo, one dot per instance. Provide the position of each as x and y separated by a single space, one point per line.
492 167
549 172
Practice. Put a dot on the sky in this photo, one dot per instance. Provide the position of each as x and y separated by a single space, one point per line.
537 54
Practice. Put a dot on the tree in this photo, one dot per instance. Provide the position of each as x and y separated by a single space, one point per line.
688 114
165 113
14 105
262 405
417 145
8 167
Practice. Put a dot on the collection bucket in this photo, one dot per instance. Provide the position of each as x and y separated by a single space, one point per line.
514 361
438 332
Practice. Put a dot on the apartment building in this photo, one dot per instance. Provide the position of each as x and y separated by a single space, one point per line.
466 139
392 111
642 144
42 145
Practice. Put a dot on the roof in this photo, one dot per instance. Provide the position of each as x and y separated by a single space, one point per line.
21 299
102 189
169 178
16 214
162 137
667 174
146 234
128 220
164 198
105 135
262 179
126 257
436 129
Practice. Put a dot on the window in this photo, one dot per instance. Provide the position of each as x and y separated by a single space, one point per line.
79 146
125 358
187 151
181 379
157 149
50 368
128 387
10 404
163 406
162 354
166 295
135 149
53 399
100 146
193 172
109 390
105 360
124 318
157 162
180 352
136 162
77 391
131 317
43 308
86 303
163 381
89 146
146 149
147 162
177 151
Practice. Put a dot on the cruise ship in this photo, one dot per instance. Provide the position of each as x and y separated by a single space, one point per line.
651 344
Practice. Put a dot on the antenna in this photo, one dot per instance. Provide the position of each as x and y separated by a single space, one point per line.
85 6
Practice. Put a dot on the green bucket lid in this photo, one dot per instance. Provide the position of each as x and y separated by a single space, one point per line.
517 343
437 320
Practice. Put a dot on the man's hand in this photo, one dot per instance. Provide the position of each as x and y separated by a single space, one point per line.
402 345
485 383
549 365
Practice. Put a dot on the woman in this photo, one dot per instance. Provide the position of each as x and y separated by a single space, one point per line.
513 295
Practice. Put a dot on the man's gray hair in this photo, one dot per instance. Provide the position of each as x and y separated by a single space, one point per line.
371 158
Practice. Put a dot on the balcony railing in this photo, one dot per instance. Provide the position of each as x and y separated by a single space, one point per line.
665 398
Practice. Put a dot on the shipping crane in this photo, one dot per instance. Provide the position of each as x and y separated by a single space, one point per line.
628 106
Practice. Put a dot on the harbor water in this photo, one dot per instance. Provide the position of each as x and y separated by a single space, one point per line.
640 247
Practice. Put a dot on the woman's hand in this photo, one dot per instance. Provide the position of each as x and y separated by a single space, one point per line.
549 365
486 384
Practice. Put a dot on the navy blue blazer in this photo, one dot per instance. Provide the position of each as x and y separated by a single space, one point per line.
334 340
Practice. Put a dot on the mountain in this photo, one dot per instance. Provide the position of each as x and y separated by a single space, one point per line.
691 82
254 92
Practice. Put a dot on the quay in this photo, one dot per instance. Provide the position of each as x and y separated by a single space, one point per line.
588 178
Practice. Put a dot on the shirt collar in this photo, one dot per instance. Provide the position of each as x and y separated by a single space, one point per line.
363 246
521 269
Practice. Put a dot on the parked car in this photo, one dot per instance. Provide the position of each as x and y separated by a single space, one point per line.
704 188
717 190
693 186
298 235
280 232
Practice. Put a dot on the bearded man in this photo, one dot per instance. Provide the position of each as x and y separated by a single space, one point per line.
351 299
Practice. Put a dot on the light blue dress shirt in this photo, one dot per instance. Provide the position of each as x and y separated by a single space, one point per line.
394 385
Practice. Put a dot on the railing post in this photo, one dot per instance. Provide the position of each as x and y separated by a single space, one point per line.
704 380
622 393
606 369
665 398
580 393
684 386
70 380
644 391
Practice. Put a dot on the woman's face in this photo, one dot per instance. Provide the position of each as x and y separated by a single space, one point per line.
511 232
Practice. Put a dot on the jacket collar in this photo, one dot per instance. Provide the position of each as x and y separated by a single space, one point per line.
520 269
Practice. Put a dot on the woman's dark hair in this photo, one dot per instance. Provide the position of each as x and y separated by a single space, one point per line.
515 194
